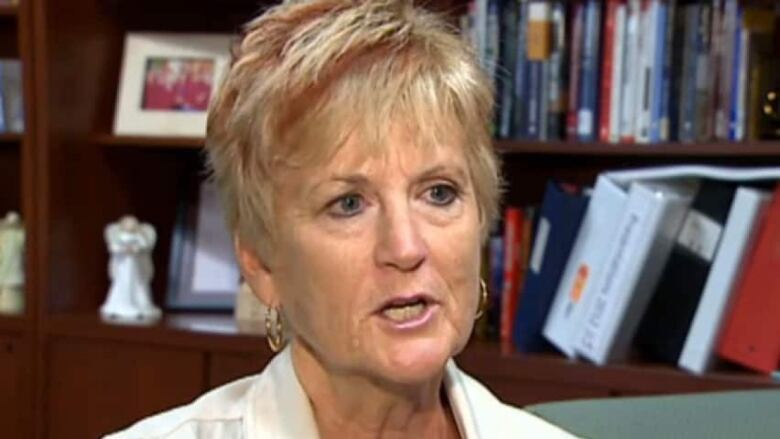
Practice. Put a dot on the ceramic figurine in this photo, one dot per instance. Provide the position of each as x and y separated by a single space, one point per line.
11 264
130 269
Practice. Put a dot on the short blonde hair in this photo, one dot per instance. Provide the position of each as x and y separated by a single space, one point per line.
308 74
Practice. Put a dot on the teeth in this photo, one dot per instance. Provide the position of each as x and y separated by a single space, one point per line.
404 313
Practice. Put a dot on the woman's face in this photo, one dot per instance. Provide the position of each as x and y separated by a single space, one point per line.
377 259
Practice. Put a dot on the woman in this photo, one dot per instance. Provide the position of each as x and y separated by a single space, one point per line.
350 142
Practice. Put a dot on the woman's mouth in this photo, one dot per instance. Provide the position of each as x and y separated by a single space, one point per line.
408 312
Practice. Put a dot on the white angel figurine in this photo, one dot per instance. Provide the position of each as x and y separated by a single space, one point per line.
130 269
11 264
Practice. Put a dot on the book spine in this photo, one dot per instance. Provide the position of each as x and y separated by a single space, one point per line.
666 75
659 54
631 73
618 69
677 72
703 112
557 74
607 69
509 62
513 235
738 128
727 31
648 39
587 115
687 131
575 57
520 128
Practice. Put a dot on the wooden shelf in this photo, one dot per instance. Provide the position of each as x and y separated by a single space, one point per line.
219 333
12 323
9 10
196 331
485 360
766 148
191 143
11 138
676 150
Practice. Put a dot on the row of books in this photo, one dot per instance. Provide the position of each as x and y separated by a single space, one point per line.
11 96
642 71
679 263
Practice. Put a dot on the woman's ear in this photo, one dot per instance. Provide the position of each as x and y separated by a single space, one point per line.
256 273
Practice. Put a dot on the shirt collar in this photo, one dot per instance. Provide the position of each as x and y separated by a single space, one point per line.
279 407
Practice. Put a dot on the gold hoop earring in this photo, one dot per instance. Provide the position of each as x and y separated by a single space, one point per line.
274 329
483 299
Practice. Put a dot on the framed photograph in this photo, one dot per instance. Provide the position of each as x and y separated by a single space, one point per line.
167 82
203 273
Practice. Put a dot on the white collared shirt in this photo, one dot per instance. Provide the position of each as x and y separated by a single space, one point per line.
273 404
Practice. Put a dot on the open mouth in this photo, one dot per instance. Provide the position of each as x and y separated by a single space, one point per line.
402 310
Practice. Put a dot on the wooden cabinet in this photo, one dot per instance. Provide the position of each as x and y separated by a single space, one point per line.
15 393
71 176
224 368
97 387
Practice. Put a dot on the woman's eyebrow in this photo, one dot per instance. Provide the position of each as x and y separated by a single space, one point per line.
437 170
355 179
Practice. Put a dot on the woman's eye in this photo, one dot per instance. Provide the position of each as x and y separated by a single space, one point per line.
442 194
346 205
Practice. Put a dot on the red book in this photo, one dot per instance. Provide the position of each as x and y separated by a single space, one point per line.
577 24
606 69
513 238
751 335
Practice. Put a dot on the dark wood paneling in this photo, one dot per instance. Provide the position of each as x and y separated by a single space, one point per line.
15 395
224 368
98 387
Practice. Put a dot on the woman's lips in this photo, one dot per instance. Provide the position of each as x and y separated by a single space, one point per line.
408 312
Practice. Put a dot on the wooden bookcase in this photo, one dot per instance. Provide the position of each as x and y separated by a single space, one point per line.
70 176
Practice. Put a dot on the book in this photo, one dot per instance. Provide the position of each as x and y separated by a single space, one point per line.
631 73
513 266
746 213
664 327
559 220
582 266
506 74
751 335
609 79
12 95
590 72
575 56
638 249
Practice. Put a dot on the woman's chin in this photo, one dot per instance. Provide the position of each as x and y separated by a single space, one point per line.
416 360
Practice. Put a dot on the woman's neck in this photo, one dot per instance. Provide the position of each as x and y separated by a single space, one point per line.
350 406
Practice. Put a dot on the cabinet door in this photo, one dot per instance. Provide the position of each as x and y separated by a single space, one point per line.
98 387
14 401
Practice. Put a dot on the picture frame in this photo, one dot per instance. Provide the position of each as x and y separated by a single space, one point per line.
203 274
167 81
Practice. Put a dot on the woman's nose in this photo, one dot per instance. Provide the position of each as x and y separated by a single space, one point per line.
400 243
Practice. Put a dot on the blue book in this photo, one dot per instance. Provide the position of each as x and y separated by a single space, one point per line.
505 72
686 127
496 281
534 100
520 128
734 104
559 221
658 74
587 113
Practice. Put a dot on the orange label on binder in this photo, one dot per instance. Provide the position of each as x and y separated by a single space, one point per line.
579 283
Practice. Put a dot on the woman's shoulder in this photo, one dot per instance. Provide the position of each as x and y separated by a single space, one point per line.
493 418
218 413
